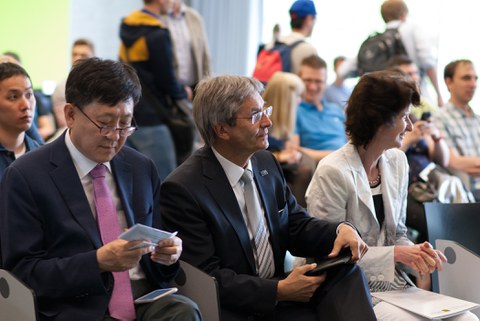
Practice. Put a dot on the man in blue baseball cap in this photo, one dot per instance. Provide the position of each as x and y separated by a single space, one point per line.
302 8
302 20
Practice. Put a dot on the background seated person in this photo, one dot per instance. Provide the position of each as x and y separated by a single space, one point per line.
43 124
460 125
338 92
237 228
17 105
82 48
319 124
406 65
422 146
283 93
365 182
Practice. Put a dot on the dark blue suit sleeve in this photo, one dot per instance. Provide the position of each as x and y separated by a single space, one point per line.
24 233
158 274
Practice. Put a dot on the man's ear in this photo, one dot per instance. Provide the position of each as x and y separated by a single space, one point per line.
222 131
448 82
69 114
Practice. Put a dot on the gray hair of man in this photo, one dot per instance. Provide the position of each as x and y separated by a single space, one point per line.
218 99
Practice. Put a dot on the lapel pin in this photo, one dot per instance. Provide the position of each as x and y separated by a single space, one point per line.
263 172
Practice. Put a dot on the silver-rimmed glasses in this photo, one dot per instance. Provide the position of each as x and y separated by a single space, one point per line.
255 118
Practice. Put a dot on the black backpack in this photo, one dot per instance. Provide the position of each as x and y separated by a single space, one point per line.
377 49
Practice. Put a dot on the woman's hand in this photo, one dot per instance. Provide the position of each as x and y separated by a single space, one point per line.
421 257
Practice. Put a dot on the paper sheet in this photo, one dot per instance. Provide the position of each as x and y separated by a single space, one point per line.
425 303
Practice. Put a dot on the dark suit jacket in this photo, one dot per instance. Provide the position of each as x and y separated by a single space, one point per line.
198 201
49 235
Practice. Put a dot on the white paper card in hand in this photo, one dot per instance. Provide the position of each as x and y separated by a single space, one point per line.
143 232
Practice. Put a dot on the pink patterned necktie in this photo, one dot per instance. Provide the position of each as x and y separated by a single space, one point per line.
121 303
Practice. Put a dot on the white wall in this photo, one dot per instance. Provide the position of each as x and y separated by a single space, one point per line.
99 21
233 29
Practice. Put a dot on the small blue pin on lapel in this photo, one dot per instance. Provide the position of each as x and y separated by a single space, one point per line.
263 172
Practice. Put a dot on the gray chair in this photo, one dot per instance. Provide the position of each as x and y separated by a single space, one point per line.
454 222
17 301
201 288
460 276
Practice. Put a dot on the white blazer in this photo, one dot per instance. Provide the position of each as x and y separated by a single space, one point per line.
339 191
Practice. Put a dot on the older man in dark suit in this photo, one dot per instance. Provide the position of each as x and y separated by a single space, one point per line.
63 208
238 231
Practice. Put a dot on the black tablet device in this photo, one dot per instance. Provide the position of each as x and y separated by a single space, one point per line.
325 263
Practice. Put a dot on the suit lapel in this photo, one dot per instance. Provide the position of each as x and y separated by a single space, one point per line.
123 174
71 190
360 178
217 184
390 192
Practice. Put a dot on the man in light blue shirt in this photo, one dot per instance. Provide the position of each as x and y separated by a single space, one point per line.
338 93
319 124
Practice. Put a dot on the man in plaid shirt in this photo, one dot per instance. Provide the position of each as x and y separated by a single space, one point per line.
459 124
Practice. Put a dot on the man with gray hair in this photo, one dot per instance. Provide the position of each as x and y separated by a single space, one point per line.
237 218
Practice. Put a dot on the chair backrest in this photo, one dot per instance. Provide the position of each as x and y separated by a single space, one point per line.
17 301
460 276
201 288
455 222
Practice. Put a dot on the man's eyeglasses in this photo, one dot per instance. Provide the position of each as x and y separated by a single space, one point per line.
108 130
255 118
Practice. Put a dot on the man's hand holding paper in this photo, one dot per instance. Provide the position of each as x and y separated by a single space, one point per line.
166 247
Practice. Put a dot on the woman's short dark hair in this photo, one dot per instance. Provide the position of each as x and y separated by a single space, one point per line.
375 101
104 81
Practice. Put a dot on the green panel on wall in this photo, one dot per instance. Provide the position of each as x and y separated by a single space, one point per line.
39 32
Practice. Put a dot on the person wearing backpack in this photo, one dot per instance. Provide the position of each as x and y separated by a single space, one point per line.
287 53
417 46
415 42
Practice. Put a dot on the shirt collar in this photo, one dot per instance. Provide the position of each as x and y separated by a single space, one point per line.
30 144
151 13
313 106
181 14
394 24
450 106
233 171
82 163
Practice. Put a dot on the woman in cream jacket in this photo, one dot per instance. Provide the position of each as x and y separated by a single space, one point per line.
365 183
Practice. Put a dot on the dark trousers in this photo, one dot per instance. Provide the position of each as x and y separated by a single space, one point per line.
171 307
344 296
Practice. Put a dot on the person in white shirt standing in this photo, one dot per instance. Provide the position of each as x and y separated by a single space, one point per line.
192 56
